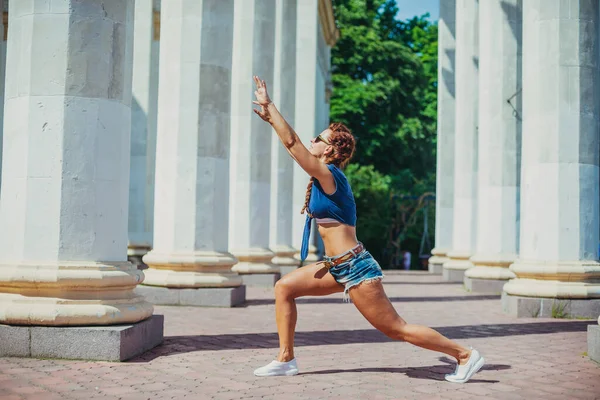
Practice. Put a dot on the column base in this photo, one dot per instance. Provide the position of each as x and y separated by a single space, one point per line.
487 279
593 342
284 256
311 258
455 267
71 293
436 264
199 297
437 260
200 269
548 307
284 259
261 280
255 261
98 343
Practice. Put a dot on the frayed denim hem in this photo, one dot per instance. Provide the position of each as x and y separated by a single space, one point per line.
354 284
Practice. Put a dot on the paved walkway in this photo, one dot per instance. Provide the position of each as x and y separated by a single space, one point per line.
211 353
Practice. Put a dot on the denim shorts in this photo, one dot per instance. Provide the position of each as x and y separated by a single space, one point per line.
363 267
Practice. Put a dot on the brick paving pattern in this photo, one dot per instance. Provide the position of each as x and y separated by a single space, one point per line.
210 353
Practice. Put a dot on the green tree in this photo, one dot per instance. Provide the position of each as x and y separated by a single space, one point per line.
385 90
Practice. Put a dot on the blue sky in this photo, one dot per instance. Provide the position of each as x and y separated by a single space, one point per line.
410 8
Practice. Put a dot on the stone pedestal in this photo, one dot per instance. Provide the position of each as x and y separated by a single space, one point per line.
593 342
143 129
65 177
444 193
264 280
465 142
251 138
98 343
197 297
560 211
192 158
548 306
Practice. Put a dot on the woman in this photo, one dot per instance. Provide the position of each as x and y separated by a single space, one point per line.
348 267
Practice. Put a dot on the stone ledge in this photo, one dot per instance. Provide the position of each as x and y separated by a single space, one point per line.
453 275
533 307
593 342
200 297
262 280
491 286
98 343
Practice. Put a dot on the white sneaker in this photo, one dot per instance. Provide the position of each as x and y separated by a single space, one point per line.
277 368
464 372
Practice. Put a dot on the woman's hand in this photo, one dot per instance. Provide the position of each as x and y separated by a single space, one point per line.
262 99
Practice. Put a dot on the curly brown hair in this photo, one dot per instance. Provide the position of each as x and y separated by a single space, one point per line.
343 149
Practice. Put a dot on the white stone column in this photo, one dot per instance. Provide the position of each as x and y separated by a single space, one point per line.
143 128
63 209
499 142
192 158
558 273
282 171
464 228
251 142
306 95
444 194
3 37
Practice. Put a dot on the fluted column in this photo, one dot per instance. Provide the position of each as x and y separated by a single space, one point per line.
306 95
63 209
192 153
251 142
464 228
557 271
143 128
444 194
500 23
3 28
282 171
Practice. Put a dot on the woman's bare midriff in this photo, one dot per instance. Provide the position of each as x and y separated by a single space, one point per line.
338 238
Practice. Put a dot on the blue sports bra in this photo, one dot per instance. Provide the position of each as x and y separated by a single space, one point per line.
339 206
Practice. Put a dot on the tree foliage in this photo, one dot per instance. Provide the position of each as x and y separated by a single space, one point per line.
385 90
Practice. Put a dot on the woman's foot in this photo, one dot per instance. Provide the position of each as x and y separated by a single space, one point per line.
277 368
465 371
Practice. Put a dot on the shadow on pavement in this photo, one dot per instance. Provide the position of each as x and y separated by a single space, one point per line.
433 372
185 344
338 300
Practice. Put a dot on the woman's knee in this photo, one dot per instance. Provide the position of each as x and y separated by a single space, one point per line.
284 288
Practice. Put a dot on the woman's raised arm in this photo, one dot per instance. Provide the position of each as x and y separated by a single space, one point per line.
290 139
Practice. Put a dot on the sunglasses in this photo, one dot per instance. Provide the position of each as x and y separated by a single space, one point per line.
322 139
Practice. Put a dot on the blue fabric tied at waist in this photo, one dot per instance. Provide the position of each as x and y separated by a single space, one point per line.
305 238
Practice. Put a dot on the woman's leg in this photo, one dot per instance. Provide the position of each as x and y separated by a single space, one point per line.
372 302
311 280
